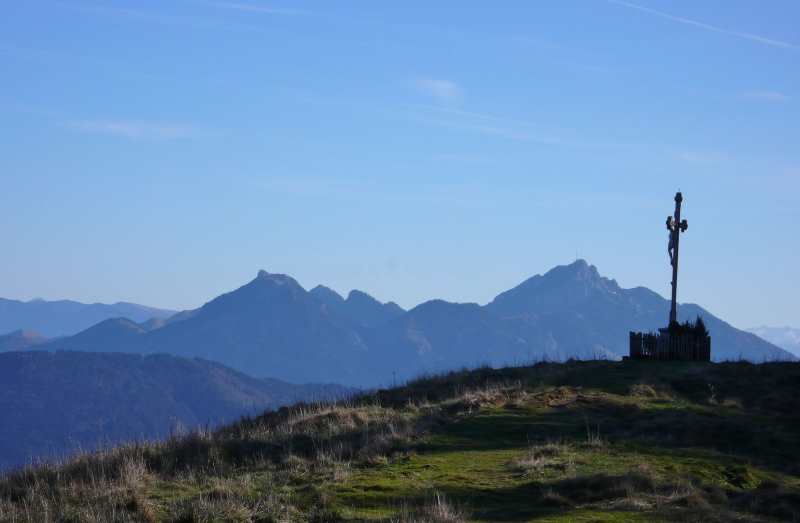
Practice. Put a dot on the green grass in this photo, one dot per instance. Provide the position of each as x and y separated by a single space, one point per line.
582 441
470 461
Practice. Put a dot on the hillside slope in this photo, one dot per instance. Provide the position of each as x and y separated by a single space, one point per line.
581 441
53 403
786 338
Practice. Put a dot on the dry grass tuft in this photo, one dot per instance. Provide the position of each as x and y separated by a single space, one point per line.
539 458
642 390
437 510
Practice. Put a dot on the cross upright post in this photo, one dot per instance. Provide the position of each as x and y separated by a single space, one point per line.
675 226
690 342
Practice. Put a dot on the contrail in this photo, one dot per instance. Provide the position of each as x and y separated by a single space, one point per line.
707 27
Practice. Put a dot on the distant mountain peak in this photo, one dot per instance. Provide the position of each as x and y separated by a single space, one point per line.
579 269
581 272
357 295
561 288
116 324
394 308
326 294
272 325
275 279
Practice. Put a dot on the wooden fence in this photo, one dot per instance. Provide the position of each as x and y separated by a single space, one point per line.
666 346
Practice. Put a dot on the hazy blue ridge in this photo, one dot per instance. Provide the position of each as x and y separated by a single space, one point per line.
65 317
54 403
787 338
272 326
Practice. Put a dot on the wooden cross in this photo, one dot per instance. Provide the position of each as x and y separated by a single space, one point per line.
675 226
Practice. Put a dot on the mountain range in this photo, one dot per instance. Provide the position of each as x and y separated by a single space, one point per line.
56 403
64 317
787 338
272 326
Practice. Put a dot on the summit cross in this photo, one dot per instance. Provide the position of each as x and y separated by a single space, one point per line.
676 226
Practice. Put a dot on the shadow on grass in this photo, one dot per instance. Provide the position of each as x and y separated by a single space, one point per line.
743 434
546 499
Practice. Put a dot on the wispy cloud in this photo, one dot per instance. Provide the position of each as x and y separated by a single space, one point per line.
509 128
766 96
136 129
473 114
708 27
260 9
442 90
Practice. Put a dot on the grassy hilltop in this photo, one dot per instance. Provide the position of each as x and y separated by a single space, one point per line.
580 441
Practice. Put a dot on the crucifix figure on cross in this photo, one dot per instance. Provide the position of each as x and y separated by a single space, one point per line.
688 341
675 226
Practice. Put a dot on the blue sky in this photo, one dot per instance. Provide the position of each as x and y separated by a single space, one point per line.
163 151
